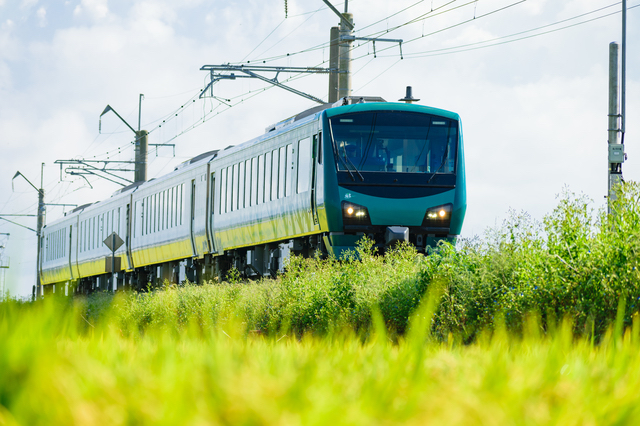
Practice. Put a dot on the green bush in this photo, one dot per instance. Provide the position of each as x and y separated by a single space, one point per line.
577 264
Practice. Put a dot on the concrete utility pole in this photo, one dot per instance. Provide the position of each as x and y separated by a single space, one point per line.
334 39
344 48
341 39
616 148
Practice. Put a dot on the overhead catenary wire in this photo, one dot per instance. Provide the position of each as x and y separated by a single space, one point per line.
461 48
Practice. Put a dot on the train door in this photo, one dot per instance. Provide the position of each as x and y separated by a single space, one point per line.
192 216
128 237
212 197
70 251
314 160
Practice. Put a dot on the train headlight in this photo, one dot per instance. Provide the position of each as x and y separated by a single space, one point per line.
354 214
438 217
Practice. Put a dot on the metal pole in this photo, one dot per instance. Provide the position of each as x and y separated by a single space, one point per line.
344 62
140 110
40 225
334 40
114 285
624 70
615 154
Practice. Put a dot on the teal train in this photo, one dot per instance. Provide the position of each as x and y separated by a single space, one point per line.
315 183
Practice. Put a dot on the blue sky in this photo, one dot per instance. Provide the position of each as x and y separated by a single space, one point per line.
533 110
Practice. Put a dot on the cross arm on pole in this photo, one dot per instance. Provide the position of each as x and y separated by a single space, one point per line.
16 223
106 110
345 22
252 72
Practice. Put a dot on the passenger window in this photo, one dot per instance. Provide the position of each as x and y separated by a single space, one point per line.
282 172
254 181
274 174
304 160
247 183
241 180
232 183
223 191
290 165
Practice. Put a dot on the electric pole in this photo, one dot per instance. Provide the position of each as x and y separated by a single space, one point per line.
341 38
3 266
40 224
617 113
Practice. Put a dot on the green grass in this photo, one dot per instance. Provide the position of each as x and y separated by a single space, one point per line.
536 323
55 368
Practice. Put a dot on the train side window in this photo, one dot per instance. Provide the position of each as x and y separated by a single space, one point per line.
254 182
119 221
319 148
274 174
241 183
289 165
176 205
304 159
167 209
150 217
223 191
267 177
137 211
247 183
260 185
158 212
153 217
229 188
282 172
233 192
164 209
171 208
180 205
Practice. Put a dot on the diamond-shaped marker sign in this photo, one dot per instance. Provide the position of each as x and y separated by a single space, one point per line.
113 241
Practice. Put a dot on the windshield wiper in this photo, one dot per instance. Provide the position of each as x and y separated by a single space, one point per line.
337 153
444 159
352 165
346 167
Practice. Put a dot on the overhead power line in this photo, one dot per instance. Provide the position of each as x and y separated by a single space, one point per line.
496 41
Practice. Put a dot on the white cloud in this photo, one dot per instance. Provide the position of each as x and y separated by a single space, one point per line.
93 9
41 14
535 7
27 4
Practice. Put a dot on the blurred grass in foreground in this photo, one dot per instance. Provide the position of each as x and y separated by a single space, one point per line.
56 368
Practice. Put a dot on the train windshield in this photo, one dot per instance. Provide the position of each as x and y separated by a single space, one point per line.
391 141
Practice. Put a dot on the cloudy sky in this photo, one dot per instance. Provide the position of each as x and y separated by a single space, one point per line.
528 77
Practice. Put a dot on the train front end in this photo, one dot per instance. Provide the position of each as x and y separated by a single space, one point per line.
393 172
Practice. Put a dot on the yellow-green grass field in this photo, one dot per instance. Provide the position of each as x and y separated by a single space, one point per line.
56 368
